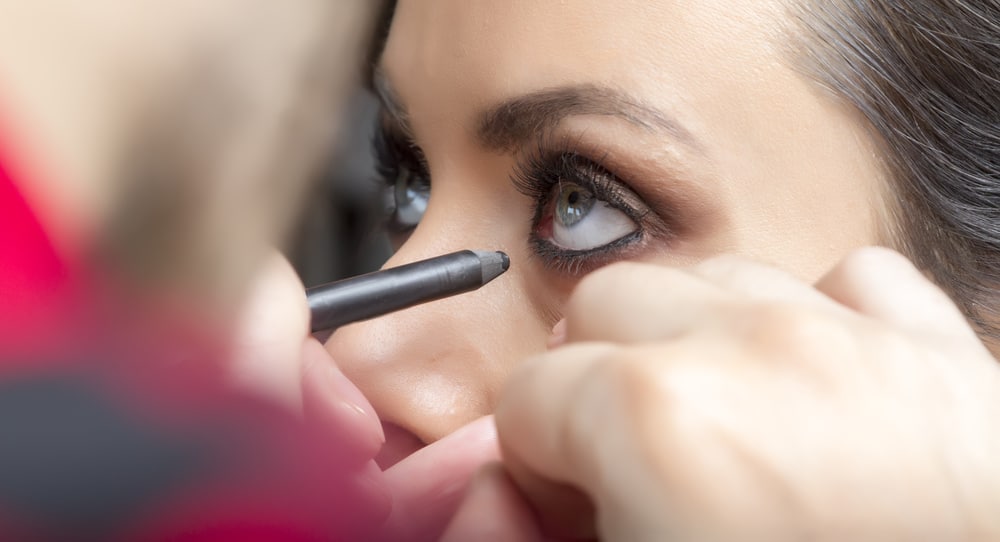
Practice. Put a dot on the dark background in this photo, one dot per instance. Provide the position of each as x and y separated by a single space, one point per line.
340 232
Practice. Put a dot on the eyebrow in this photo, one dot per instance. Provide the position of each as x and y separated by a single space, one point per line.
510 124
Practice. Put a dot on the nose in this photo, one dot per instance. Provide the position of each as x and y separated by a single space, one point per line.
432 368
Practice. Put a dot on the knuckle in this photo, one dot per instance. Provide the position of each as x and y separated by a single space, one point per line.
785 330
665 402
623 384
624 372
862 264
647 384
604 397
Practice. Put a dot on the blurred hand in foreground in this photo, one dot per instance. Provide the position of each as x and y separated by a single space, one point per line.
426 487
162 148
731 401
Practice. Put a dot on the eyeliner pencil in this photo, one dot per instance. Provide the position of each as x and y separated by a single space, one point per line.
374 294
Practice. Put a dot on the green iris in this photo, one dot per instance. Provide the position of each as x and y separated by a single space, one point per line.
573 204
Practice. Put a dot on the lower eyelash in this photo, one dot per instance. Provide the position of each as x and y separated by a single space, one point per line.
580 262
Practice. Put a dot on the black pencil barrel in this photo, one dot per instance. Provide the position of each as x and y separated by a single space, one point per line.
375 294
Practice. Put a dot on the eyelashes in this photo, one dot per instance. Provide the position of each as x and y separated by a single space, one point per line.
392 151
548 172
402 171
540 171
583 215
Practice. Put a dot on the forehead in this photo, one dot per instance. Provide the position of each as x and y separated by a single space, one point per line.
455 51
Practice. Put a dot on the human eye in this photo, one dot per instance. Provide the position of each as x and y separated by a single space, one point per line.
584 216
403 174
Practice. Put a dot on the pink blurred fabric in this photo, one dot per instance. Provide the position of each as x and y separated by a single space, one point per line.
155 372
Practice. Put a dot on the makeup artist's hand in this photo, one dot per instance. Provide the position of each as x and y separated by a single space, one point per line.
277 358
733 402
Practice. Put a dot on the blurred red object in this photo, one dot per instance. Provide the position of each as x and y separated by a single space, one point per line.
117 421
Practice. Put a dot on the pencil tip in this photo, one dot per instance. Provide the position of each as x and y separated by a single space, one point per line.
495 263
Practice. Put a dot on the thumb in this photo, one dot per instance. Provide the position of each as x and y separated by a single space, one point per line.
270 332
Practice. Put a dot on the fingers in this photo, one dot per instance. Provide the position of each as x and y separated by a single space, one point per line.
884 285
634 302
334 402
541 395
755 281
275 357
493 511
269 334
428 486
553 420
630 302
563 512
670 388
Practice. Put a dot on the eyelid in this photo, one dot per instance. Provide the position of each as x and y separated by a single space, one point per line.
606 186
537 172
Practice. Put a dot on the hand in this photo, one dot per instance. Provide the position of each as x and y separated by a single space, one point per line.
276 358
733 402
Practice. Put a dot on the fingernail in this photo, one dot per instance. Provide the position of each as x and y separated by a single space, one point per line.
329 393
558 336
350 399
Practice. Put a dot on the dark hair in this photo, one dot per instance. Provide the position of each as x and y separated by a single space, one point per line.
926 76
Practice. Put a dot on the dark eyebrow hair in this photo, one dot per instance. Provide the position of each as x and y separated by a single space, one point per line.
510 124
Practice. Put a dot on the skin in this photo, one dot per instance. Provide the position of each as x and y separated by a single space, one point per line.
780 173
154 79
745 404
652 363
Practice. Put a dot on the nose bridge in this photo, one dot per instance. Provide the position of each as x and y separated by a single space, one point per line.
457 218
436 366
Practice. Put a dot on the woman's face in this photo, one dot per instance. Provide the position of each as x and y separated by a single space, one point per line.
575 134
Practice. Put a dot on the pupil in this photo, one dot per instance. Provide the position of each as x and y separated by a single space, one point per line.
573 205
